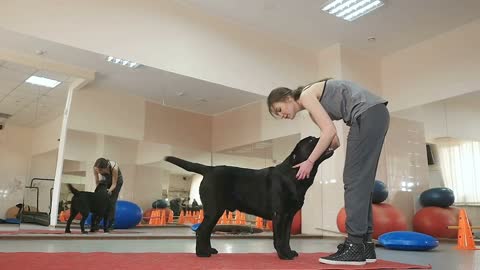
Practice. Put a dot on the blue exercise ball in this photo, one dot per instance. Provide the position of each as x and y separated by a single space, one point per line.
406 240
127 215
380 192
440 197
195 226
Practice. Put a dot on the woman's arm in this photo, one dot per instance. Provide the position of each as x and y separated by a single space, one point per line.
114 178
95 173
310 102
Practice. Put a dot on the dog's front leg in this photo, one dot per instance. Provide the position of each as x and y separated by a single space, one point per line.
93 222
106 222
288 228
73 214
203 245
82 223
279 237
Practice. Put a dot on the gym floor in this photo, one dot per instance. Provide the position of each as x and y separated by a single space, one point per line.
443 257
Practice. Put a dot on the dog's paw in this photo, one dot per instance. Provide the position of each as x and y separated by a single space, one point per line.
293 253
203 254
286 255
213 251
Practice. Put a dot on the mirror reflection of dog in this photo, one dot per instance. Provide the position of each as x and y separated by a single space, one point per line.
272 193
83 202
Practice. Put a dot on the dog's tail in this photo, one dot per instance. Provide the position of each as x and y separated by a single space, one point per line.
189 166
73 190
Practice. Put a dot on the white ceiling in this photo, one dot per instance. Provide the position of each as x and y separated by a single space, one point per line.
30 105
302 23
163 87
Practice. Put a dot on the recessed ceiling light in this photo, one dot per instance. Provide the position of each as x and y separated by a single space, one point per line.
42 81
351 9
372 39
122 62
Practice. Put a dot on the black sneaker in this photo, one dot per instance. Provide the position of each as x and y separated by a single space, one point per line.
370 254
348 254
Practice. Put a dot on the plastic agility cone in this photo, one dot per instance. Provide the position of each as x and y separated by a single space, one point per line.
465 235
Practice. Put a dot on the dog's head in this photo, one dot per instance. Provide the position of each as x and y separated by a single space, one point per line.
304 148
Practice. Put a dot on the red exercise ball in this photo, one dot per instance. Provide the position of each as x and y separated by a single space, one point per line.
386 218
434 220
67 215
297 223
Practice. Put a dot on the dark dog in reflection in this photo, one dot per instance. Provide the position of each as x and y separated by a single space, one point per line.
84 202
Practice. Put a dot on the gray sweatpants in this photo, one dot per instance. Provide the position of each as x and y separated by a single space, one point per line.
364 145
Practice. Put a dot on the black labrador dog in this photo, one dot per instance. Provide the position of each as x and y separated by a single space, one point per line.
272 193
84 202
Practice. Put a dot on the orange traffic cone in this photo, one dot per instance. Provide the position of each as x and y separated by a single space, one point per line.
201 216
237 217
259 222
465 235
243 219
181 219
269 225
162 217
152 217
223 219
230 218
170 216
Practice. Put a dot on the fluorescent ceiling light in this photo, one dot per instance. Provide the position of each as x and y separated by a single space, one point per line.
122 62
42 81
351 9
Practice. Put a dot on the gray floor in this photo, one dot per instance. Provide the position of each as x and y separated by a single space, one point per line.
444 257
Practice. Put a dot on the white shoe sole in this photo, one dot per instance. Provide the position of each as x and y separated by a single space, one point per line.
371 260
325 261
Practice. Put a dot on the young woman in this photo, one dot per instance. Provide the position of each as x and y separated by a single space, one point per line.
368 118
108 171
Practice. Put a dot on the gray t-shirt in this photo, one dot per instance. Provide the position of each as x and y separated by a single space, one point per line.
346 100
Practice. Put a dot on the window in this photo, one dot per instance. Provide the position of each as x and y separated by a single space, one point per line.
460 166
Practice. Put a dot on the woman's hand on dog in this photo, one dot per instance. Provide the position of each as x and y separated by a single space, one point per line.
304 169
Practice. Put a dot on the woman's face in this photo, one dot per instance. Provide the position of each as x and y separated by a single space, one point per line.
102 171
285 109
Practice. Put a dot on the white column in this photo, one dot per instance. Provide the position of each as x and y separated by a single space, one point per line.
78 83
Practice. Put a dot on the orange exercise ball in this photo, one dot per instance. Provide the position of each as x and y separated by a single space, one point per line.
434 220
67 215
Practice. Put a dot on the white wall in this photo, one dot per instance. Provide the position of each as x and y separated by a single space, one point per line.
149 184
45 138
15 151
454 117
107 113
248 124
441 67
165 125
81 145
